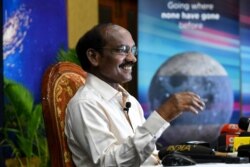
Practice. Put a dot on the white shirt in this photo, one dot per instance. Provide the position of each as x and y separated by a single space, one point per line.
99 134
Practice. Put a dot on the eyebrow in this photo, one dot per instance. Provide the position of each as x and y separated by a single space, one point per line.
125 45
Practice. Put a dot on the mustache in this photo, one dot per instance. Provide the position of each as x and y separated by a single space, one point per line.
127 63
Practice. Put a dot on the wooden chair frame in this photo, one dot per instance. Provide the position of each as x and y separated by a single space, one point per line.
60 82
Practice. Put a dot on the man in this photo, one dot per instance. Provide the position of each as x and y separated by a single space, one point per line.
100 128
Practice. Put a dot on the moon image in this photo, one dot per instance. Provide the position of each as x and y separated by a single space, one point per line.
199 73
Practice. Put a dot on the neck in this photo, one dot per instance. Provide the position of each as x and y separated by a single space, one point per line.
113 84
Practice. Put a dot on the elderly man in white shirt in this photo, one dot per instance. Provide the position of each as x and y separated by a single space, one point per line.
101 130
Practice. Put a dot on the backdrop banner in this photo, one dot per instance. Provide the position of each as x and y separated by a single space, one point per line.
192 46
33 32
245 56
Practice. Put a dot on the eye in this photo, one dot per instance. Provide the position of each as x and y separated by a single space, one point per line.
123 49
134 50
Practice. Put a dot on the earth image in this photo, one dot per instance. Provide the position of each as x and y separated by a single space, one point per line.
199 73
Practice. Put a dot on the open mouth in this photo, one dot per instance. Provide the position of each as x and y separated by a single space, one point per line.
127 66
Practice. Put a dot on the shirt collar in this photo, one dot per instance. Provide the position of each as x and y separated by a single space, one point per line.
104 89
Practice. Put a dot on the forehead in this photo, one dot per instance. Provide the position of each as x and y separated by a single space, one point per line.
118 35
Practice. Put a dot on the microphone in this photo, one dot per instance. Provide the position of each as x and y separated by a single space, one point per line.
185 149
127 106
244 124
244 137
230 129
225 140
244 151
199 153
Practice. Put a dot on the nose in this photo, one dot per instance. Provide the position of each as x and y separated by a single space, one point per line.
131 57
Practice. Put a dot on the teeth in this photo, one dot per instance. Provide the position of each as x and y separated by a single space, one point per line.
127 67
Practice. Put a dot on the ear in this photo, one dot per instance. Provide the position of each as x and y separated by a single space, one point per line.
93 56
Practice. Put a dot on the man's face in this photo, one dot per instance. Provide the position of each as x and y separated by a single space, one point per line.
115 65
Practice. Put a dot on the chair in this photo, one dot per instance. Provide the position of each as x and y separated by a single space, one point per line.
59 84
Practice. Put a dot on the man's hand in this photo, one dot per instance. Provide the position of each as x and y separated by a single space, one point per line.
179 102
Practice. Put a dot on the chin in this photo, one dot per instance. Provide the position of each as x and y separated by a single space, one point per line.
128 79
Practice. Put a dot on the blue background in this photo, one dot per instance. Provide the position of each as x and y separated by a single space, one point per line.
39 29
